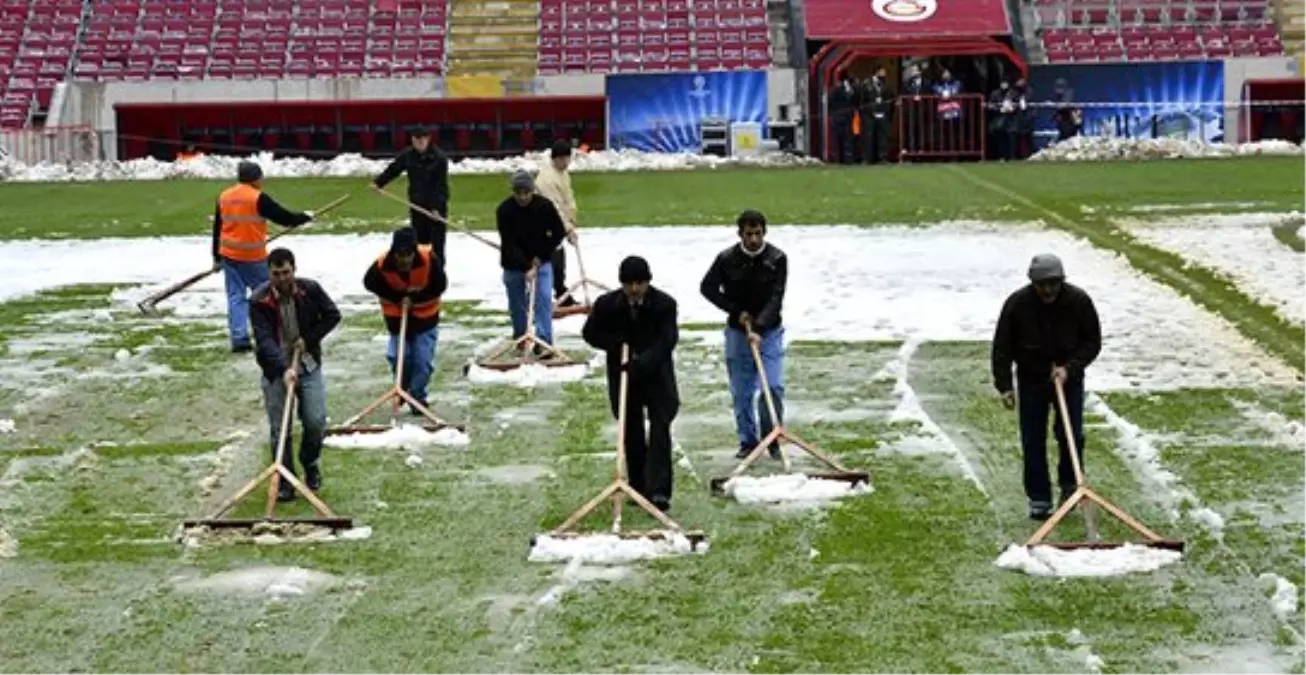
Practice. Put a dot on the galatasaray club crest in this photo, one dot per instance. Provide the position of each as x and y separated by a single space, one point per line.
904 11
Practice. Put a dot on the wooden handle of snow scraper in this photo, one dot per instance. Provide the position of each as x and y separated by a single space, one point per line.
529 337
400 352
1070 437
580 264
439 218
766 390
623 393
275 483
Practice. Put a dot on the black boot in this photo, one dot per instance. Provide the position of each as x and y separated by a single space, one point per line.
744 451
774 450
285 491
567 301
313 477
1039 510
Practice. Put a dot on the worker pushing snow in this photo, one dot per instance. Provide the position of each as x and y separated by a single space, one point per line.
428 186
408 278
644 317
747 282
1049 329
240 236
293 313
530 229
554 184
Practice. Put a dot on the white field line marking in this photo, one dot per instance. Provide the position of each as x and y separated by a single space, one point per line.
1010 194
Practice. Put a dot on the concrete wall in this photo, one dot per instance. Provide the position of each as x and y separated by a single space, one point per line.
93 103
1237 71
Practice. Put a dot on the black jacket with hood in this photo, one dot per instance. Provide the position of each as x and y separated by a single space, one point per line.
738 282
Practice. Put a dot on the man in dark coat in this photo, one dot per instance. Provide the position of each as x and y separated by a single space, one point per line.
645 318
428 186
1050 331
747 281
876 105
289 313
530 229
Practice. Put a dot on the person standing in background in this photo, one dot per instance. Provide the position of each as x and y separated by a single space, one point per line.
554 184
428 187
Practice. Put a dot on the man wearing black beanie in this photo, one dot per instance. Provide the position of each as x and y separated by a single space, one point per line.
645 318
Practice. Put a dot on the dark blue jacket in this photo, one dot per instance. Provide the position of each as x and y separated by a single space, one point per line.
315 313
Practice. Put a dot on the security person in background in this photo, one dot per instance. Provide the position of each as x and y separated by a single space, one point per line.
876 103
240 235
406 276
428 186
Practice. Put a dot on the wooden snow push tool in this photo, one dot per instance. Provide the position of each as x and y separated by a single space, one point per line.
619 489
274 474
779 433
149 304
395 395
1089 496
583 285
522 351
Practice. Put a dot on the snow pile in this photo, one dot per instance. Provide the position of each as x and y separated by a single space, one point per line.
793 488
404 436
354 165
1047 561
268 534
574 574
1104 148
528 375
7 427
610 549
1283 600
274 582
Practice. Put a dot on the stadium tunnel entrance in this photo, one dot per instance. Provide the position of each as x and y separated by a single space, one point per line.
978 63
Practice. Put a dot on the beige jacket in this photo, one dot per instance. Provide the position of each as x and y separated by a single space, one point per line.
555 186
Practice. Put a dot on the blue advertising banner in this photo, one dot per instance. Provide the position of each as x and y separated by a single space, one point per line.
661 112
1138 100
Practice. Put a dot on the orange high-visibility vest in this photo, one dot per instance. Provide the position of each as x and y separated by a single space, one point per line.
244 236
418 277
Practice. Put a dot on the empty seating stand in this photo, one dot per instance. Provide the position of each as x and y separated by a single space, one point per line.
261 39
37 41
1155 30
602 36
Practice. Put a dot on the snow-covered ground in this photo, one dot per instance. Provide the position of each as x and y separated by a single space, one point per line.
1242 247
219 167
946 282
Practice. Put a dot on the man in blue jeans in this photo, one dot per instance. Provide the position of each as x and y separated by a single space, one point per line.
1050 331
530 228
289 314
412 279
240 233
747 282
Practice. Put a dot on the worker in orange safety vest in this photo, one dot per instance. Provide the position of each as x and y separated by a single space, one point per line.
411 277
240 234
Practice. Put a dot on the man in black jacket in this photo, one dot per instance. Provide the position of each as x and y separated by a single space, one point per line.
428 186
530 228
645 318
408 278
290 313
747 282
876 103
1050 331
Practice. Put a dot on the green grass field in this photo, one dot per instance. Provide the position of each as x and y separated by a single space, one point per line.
109 456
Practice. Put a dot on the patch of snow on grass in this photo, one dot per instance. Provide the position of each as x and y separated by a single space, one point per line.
575 573
1240 247
793 488
7 426
8 544
909 409
1106 148
609 549
1046 561
404 436
1283 598
273 582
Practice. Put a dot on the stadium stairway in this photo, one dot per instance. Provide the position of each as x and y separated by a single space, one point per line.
493 37
1291 15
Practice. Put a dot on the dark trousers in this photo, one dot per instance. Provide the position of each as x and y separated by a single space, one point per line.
559 272
841 137
648 459
1035 401
430 231
875 138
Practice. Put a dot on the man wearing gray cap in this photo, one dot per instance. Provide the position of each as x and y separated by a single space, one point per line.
530 228
1050 331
